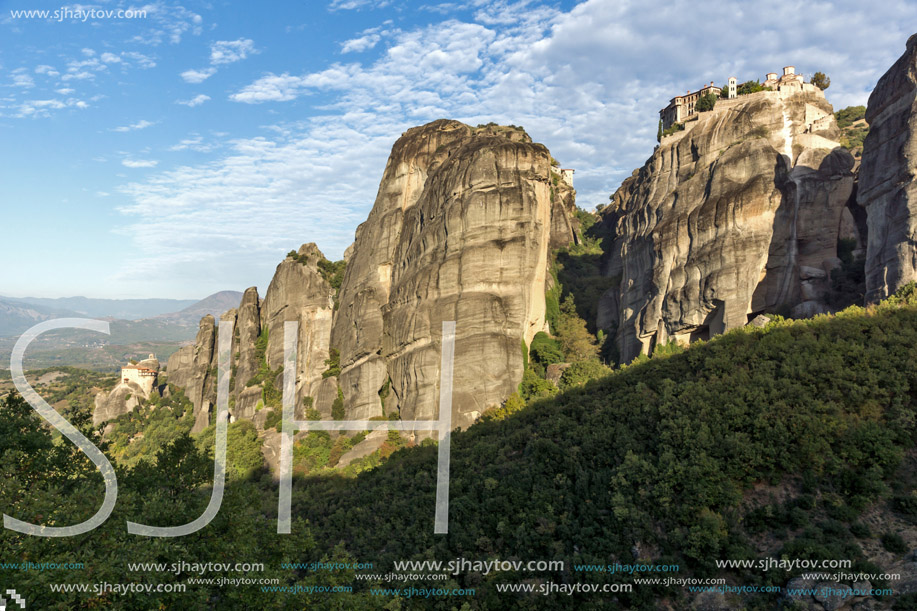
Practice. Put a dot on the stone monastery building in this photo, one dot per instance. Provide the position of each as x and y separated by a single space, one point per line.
681 107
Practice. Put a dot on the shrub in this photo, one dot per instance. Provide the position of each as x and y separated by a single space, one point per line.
705 103
273 420
850 115
574 338
894 543
333 364
674 127
545 350
749 87
337 407
513 404
581 372
821 80
533 387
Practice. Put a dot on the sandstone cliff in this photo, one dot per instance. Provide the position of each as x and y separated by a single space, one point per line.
738 214
297 292
887 183
127 393
461 229
191 368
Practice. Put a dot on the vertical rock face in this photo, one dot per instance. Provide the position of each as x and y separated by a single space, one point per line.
358 328
474 249
461 231
738 214
887 184
299 292
190 368
136 381
246 332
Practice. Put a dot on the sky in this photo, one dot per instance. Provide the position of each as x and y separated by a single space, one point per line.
176 149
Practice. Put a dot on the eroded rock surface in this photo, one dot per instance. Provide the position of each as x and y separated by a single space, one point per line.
728 219
887 183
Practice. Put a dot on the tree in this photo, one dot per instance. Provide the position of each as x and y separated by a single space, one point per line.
533 387
749 87
333 362
659 132
579 373
705 103
337 406
575 340
821 80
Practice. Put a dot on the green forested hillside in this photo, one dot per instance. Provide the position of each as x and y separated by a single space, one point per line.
771 442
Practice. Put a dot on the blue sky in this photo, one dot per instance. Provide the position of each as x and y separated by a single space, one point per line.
187 151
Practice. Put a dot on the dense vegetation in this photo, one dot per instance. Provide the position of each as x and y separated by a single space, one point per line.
331 271
657 458
853 126
674 127
749 87
705 102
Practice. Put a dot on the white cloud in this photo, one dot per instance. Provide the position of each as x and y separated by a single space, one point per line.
46 70
349 5
229 51
110 58
166 23
195 143
587 83
271 88
43 108
363 43
198 76
142 124
195 101
139 163
21 79
142 60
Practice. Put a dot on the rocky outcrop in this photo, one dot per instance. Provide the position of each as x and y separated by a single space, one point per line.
460 230
192 368
247 329
138 381
888 178
738 214
299 292
122 399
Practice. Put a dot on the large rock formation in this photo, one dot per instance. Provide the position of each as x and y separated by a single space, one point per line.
461 230
138 381
193 368
738 214
887 183
299 292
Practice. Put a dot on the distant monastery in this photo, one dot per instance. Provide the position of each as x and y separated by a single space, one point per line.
681 107
143 374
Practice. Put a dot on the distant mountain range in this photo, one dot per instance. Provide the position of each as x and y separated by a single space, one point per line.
215 304
123 309
138 327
